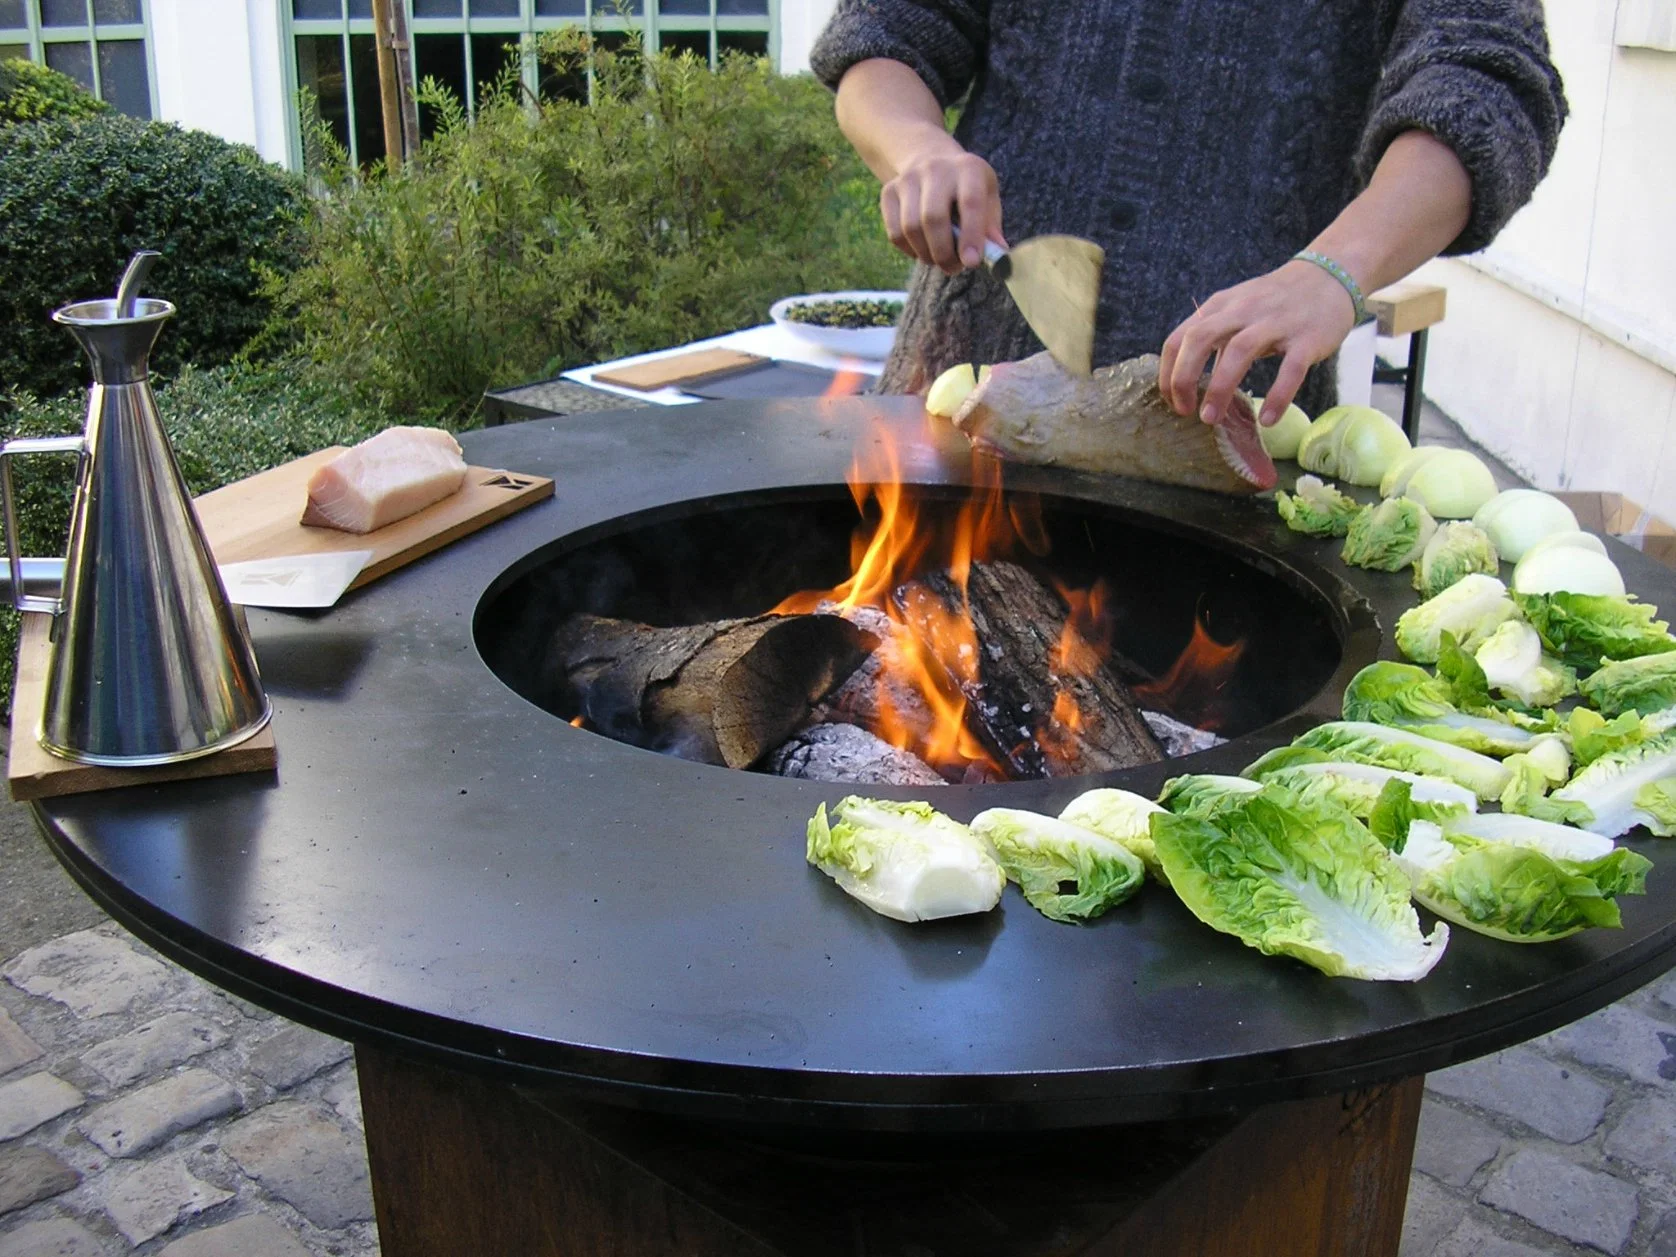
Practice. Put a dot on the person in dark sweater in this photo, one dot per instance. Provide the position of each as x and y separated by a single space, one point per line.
1204 144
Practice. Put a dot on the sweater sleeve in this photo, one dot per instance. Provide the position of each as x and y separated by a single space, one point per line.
940 40
1477 75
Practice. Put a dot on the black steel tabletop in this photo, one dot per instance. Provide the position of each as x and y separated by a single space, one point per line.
440 867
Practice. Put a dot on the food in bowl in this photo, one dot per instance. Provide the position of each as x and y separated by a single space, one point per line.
845 313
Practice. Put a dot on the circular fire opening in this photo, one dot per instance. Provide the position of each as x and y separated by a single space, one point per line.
1193 630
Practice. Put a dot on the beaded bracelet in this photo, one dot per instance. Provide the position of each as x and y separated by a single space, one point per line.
1343 276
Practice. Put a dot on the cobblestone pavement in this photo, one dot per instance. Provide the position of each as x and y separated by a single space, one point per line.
143 1112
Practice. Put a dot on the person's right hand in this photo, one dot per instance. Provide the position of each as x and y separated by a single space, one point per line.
932 191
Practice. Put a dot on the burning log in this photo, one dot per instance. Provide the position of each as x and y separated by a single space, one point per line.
726 692
1046 704
842 752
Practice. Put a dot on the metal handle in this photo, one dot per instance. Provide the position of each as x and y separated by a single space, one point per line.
992 252
21 600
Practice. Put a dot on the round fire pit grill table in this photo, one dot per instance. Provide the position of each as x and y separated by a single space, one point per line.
602 1004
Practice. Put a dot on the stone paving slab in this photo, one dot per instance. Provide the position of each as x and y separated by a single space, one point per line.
16 1048
33 1100
1563 1104
149 1199
28 1174
141 1121
1582 1205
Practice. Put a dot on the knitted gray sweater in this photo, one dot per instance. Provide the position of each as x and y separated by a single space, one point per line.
1201 142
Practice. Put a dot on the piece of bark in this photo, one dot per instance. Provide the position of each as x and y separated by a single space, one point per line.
720 693
1012 686
842 752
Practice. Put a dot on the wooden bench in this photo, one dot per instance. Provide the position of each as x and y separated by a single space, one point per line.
1408 309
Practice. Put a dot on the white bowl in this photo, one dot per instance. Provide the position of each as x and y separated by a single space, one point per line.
852 342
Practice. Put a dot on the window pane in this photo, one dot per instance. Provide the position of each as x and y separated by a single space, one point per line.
111 12
331 10
685 8
443 58
11 13
368 113
567 83
494 8
436 8
11 52
63 13
320 71
695 42
753 42
560 8
492 55
742 8
76 60
360 8
122 76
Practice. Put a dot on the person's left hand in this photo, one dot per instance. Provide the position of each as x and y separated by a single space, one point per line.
1298 311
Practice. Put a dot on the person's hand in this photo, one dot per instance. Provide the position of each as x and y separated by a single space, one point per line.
920 206
1298 311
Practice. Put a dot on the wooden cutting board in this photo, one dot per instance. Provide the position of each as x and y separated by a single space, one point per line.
33 772
256 518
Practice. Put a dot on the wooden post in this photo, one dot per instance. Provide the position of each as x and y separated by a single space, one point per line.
395 81
389 84
466 1164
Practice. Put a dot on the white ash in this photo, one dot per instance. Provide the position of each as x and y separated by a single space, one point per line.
1179 739
842 752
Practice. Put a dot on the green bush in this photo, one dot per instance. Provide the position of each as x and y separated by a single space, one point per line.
225 423
78 198
680 204
30 92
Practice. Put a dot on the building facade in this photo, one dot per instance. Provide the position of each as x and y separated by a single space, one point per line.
241 68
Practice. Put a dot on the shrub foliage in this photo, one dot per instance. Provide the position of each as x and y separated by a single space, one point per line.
30 92
78 197
680 203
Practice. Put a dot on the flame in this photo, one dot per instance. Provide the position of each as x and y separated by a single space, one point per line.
932 662
1190 688
578 722
1083 646
847 382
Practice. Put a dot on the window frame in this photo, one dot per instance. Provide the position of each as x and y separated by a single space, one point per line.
600 16
37 37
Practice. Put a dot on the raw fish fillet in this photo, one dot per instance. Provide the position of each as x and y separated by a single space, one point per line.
1115 422
385 478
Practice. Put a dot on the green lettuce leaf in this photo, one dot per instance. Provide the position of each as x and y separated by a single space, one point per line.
1592 735
1517 894
1121 816
1317 509
1657 802
1282 882
1470 609
1585 629
1409 697
1067 872
1204 795
1365 743
1390 536
1527 794
1514 662
904 860
1646 684
1457 549
1610 787
1357 787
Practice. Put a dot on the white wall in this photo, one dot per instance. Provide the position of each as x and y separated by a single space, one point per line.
218 69
1559 350
801 22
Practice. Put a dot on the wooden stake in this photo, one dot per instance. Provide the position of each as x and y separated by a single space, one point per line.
389 84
